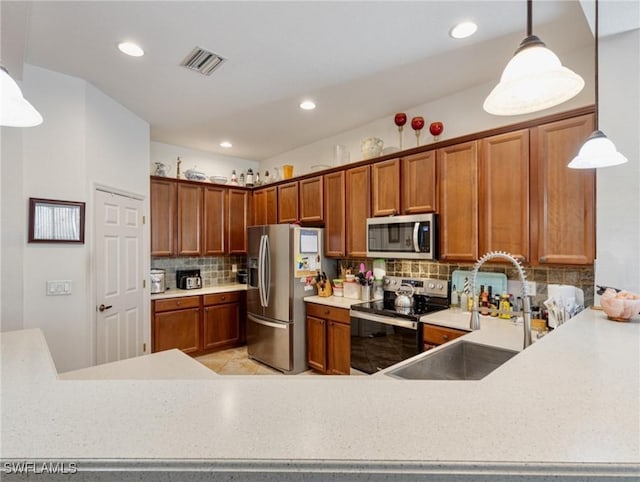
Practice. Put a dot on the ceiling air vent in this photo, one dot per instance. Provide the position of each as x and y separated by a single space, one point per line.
202 61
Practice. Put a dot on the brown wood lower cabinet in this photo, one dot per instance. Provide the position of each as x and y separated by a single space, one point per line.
199 324
438 335
221 321
328 339
176 324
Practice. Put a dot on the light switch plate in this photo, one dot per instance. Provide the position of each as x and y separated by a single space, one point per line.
234 268
58 287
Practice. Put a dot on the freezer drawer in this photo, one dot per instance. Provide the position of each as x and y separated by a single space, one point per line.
270 342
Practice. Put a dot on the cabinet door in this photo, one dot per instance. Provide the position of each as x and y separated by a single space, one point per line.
419 183
504 194
238 202
563 199
163 202
221 326
311 200
339 353
265 206
189 219
288 202
385 193
317 343
334 214
458 175
214 220
177 329
357 210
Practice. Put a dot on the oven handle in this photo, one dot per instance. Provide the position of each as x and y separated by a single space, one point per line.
387 320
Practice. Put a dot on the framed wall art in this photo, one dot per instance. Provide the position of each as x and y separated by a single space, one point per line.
52 221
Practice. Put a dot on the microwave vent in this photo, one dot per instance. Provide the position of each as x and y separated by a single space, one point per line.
202 61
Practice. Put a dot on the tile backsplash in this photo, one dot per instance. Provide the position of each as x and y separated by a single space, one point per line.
579 276
215 270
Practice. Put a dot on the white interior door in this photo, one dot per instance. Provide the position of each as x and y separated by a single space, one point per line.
118 277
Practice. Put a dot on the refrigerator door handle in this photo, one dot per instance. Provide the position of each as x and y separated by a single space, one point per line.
279 326
261 271
267 269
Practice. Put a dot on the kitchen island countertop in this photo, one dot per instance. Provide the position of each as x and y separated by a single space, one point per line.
566 407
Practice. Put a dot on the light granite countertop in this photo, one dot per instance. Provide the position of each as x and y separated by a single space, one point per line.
568 406
176 293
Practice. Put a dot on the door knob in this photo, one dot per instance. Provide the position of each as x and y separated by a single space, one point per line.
101 308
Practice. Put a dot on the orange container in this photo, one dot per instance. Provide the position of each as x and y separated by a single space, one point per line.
287 171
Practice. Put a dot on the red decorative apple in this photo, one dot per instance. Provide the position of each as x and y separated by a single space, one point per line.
436 129
417 123
400 119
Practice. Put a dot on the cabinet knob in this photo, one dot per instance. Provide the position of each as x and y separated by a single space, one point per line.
223 298
445 337
178 303
327 312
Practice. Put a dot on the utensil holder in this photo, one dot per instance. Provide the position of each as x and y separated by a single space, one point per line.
325 290
365 292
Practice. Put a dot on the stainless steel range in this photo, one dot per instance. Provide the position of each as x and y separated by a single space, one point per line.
385 332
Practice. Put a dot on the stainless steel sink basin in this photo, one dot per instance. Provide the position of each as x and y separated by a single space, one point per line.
463 360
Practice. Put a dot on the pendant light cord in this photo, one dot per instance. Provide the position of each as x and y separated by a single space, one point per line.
530 18
597 86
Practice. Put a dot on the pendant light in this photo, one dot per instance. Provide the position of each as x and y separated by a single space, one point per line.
533 80
15 110
598 150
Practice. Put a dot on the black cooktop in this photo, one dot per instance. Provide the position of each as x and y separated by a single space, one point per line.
421 306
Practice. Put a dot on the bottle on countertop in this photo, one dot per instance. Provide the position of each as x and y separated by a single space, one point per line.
505 307
454 297
464 303
484 301
249 179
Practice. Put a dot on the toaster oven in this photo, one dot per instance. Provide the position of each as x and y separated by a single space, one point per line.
188 279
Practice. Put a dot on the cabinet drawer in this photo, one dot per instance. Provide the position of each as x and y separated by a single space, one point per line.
218 298
177 303
438 335
329 312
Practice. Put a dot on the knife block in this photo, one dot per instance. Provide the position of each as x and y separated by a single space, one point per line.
325 290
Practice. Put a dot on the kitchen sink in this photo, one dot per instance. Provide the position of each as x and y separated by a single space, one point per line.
463 360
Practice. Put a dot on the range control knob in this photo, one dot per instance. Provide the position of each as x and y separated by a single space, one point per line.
431 286
440 286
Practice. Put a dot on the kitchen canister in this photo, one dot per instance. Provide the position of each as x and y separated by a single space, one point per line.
351 290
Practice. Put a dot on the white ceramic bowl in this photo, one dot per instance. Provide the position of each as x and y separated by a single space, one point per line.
218 179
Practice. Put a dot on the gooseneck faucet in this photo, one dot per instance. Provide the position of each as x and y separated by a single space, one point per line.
474 324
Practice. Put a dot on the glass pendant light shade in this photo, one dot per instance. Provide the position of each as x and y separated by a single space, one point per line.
533 80
597 151
15 110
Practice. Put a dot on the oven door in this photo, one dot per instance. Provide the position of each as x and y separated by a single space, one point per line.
378 341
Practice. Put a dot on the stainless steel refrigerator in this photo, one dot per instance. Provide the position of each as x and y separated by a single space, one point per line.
281 260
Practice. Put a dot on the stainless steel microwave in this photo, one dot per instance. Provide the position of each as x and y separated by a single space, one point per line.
414 236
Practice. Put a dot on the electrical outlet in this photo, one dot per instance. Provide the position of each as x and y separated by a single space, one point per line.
234 268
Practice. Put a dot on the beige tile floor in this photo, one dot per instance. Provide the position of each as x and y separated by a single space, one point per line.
235 361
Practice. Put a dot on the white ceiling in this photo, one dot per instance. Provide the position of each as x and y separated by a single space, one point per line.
358 60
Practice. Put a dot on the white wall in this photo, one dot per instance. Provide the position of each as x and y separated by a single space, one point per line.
86 139
618 199
461 114
207 162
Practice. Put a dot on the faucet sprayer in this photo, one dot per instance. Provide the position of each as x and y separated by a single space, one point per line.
474 323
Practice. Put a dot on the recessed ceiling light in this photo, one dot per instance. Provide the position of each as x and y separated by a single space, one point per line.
463 30
308 105
130 48
226 144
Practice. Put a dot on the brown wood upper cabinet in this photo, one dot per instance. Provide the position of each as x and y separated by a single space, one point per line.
190 216
163 205
458 179
419 193
265 206
237 221
312 200
214 220
563 199
504 194
334 214
385 192
358 201
288 202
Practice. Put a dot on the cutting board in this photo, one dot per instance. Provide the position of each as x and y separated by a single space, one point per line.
497 281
